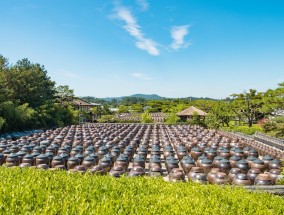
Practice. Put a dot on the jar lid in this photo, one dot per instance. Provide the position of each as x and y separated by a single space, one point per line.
13 155
58 158
242 161
224 161
258 161
206 161
267 158
42 156
73 159
89 158
235 158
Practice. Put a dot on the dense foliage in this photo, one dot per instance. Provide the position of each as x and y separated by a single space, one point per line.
26 191
29 99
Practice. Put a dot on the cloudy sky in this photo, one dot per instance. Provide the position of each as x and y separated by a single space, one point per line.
106 48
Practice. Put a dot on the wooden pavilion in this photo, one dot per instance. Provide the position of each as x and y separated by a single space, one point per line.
190 112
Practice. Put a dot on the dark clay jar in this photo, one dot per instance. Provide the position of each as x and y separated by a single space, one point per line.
14 149
97 170
250 160
258 164
72 163
200 158
13 159
239 153
224 166
275 164
274 174
212 175
21 154
171 164
3 148
181 153
155 171
252 174
2 159
193 172
96 157
216 161
252 152
267 159
233 173
139 160
176 174
102 151
246 151
155 150
122 161
206 165
28 159
225 153
241 180
200 178
42 166
233 161
117 171
6 153
211 154
168 151
81 168
57 160
80 158
263 179
221 178
136 171
105 163
89 162
24 165
42 159
195 153
155 161
243 165
187 164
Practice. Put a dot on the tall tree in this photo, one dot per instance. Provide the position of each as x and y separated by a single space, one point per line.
64 94
30 83
249 104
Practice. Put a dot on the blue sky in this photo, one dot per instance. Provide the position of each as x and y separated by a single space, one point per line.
173 48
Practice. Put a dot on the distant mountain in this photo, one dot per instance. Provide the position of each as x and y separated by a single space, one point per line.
148 97
142 96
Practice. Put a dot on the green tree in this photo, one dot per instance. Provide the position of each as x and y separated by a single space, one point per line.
146 118
172 119
249 105
137 108
30 84
123 109
64 94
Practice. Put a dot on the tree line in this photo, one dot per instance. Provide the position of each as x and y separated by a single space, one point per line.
29 98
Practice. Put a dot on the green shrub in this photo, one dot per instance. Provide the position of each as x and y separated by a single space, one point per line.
31 191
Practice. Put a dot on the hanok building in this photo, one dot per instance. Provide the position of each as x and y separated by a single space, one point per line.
79 104
190 112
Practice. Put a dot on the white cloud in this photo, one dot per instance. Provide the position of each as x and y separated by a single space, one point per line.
140 76
132 27
143 4
178 33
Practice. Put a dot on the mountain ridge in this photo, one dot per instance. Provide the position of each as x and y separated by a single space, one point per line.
146 97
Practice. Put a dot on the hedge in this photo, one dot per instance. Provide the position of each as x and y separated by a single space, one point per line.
31 191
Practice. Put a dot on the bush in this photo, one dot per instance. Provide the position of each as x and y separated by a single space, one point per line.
244 129
31 191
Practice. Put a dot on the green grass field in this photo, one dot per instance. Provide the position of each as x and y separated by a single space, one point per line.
30 191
